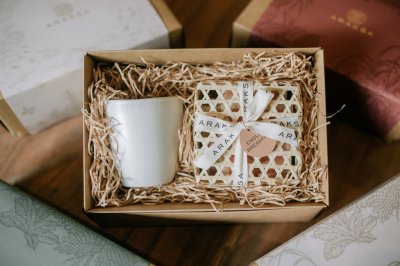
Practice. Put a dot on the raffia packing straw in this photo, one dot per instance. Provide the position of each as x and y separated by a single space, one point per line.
118 81
260 141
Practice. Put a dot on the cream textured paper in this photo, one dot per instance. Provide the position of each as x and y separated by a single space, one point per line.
42 44
221 100
366 232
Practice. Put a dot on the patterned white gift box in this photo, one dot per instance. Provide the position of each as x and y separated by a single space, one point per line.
366 232
42 44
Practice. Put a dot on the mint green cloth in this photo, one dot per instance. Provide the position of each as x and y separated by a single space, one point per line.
33 233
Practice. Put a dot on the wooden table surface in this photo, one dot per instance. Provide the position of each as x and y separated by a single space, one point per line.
49 166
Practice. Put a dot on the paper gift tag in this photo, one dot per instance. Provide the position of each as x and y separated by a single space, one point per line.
256 145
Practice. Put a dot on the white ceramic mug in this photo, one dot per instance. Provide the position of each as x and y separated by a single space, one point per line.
145 139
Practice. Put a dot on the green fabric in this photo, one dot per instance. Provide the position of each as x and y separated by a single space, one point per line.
33 233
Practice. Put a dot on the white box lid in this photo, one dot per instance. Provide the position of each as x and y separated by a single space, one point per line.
366 232
42 44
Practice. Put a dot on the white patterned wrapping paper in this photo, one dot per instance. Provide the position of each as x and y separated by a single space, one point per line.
366 232
42 44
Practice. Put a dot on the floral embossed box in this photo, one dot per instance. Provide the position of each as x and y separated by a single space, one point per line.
41 54
366 232
361 40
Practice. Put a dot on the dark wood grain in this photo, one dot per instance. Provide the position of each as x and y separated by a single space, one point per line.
49 166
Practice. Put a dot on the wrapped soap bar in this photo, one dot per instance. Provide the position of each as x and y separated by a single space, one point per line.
247 133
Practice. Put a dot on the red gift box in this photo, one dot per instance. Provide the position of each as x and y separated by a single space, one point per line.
361 42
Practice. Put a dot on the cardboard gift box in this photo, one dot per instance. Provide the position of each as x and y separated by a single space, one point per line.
366 232
41 47
361 40
233 212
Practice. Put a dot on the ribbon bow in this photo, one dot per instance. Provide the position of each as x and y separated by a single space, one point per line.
252 108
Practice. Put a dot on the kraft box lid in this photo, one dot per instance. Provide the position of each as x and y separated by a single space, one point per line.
42 43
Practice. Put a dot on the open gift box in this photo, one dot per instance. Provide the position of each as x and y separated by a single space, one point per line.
232 212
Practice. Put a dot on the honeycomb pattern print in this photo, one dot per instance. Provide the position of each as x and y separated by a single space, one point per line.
221 100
